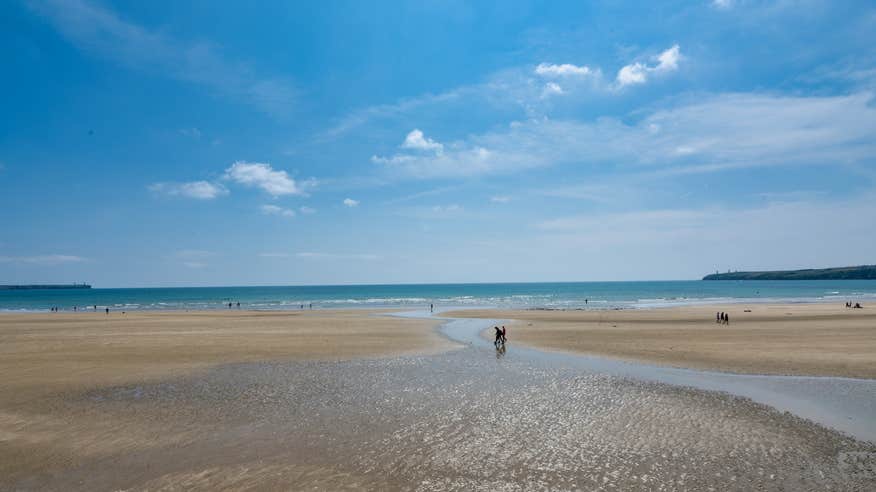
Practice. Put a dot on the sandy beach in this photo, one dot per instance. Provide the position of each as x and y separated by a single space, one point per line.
792 339
45 353
347 400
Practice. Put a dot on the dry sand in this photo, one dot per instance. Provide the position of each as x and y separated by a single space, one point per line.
46 353
798 339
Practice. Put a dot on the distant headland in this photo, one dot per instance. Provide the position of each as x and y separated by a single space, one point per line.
45 286
862 272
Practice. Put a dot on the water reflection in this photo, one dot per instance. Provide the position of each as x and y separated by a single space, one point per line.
500 350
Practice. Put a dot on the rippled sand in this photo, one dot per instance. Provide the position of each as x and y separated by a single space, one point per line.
465 420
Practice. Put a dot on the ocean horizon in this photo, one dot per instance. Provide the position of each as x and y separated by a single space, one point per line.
524 295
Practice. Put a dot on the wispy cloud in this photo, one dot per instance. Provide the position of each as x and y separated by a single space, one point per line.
526 87
773 234
709 134
101 32
275 210
44 260
336 256
638 73
500 199
349 202
274 255
193 258
434 212
199 190
274 182
563 70
304 209
552 89
190 132
361 116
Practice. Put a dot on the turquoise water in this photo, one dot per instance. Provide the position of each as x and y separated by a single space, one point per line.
590 295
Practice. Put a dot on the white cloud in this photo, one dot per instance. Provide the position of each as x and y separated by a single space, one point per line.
417 141
260 175
632 74
668 60
336 256
551 89
99 31
722 4
564 70
46 260
306 210
275 210
199 190
349 202
500 199
637 73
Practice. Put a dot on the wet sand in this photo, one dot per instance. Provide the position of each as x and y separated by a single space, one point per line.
796 339
44 353
467 419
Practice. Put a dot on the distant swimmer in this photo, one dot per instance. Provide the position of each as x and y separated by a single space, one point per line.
107 310
238 304
431 308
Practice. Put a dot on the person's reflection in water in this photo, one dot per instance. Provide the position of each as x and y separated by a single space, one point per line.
500 351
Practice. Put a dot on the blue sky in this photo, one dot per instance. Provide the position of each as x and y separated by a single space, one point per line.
207 143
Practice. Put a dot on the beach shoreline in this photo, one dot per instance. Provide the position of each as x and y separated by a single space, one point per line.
811 339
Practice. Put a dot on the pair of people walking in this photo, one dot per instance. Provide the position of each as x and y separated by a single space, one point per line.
501 336
722 318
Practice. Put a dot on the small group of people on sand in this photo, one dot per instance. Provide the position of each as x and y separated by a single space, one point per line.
856 306
501 336
722 318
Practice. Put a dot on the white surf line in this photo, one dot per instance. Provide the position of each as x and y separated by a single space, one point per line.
844 404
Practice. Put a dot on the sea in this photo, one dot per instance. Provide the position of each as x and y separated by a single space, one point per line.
541 295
